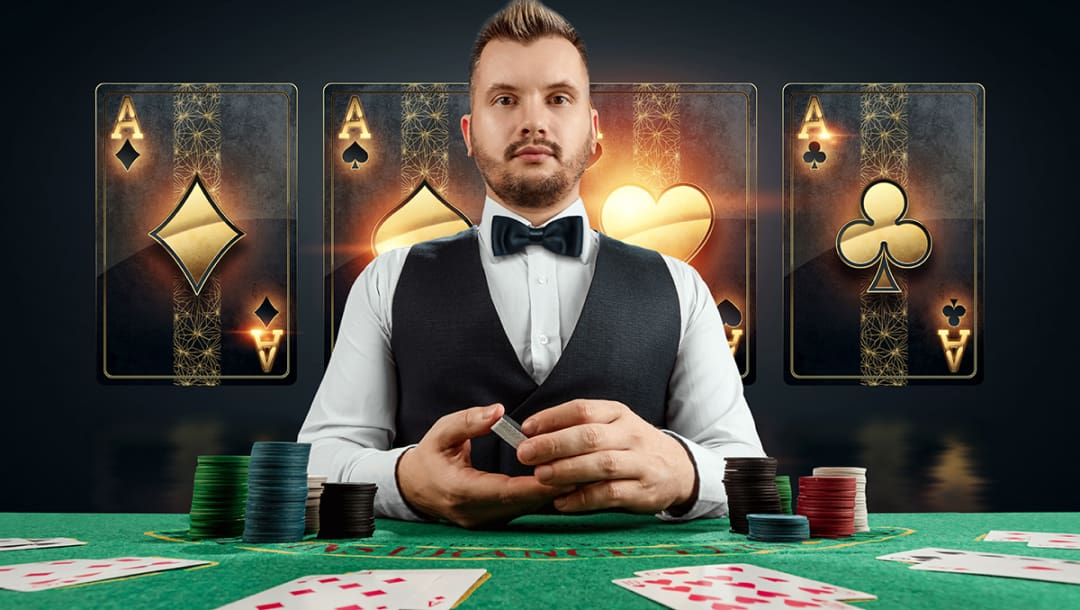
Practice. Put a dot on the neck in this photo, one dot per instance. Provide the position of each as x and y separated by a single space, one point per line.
538 216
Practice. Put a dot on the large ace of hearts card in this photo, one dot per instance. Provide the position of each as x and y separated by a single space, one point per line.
675 171
196 233
884 210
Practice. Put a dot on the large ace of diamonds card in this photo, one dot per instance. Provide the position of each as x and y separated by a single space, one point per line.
884 211
195 223
675 171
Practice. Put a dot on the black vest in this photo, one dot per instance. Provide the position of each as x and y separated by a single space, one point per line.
451 351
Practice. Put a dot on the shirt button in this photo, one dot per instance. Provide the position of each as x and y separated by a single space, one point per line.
541 280
543 339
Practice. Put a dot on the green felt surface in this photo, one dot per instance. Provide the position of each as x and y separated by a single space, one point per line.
541 561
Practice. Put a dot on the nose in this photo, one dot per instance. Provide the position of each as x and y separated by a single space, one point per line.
534 119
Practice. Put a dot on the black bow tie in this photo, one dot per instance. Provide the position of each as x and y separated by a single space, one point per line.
562 236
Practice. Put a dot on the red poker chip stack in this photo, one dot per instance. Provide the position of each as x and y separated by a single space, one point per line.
829 504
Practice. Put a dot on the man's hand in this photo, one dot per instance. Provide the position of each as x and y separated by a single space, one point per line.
616 458
437 477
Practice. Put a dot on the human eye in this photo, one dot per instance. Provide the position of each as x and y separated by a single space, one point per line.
503 100
560 99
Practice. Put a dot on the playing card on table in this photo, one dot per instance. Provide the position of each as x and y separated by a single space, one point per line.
1008 566
932 554
21 544
386 589
689 592
750 576
884 203
42 575
1042 540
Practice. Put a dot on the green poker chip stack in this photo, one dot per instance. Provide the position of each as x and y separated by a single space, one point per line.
219 496
783 488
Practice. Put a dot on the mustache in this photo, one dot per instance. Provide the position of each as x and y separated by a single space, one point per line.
511 150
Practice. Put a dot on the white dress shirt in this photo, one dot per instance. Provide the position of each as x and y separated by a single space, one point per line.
538 296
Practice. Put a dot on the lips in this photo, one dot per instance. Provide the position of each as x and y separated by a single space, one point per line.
534 153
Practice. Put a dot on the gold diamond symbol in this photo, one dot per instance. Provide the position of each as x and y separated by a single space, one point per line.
196 234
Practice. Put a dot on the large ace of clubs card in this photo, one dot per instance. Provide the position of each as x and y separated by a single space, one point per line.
884 233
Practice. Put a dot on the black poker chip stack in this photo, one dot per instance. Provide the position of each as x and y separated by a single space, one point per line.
347 510
277 492
751 488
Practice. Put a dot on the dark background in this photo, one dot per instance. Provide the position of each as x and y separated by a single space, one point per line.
71 444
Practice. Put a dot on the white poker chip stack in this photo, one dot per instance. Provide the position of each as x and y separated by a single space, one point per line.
311 515
862 523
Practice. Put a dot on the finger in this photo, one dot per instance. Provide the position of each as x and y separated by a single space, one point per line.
453 429
622 493
488 488
588 468
581 439
572 413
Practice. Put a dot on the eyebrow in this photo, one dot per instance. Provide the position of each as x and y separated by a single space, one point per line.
567 85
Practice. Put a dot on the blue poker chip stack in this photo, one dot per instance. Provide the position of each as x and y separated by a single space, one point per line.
277 492
778 528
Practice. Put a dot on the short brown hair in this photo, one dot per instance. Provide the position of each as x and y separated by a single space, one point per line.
525 21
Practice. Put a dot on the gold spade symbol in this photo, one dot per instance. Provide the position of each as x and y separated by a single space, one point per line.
883 236
676 224
423 215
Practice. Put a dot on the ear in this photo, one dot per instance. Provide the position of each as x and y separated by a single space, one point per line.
594 119
466 119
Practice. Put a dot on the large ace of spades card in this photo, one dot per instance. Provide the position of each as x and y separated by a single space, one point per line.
196 233
884 233
675 171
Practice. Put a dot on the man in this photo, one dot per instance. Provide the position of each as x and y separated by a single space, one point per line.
630 397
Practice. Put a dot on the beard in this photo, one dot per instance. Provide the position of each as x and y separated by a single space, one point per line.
537 192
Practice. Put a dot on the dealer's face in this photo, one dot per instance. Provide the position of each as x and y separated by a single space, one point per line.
532 129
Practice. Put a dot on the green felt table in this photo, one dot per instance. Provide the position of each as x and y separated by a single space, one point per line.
539 561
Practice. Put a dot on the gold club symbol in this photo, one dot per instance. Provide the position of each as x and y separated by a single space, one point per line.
883 235
196 234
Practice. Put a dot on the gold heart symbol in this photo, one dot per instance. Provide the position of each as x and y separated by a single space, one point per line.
677 224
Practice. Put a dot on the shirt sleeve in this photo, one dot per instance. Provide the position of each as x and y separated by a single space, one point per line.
350 424
707 410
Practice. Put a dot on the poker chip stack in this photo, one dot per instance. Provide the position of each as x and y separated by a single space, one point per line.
778 528
277 492
751 488
347 510
311 512
862 523
783 489
829 504
218 496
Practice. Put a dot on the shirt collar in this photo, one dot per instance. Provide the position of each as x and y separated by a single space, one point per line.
493 208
